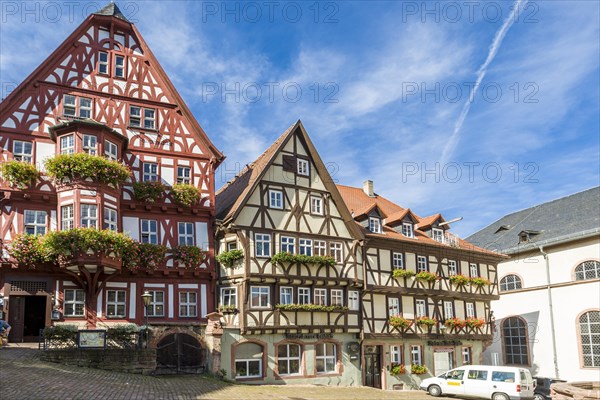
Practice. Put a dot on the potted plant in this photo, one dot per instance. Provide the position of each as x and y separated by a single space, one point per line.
185 194
417 369
19 174
399 322
475 322
425 276
402 273
397 369
459 280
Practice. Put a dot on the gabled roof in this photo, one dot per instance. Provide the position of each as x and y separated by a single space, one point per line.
231 198
111 9
357 201
428 221
560 220
399 216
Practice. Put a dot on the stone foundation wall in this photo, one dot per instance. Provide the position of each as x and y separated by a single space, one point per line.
138 361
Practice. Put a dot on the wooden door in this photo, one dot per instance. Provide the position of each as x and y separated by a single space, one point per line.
373 366
16 318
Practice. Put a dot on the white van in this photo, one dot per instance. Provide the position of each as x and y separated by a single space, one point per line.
484 382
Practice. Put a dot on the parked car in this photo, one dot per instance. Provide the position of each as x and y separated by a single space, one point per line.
542 389
484 382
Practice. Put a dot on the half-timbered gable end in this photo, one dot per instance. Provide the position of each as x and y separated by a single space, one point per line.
299 274
102 92
427 293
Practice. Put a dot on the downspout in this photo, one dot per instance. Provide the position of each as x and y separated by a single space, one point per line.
551 307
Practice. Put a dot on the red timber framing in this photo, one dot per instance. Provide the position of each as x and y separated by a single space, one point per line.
103 81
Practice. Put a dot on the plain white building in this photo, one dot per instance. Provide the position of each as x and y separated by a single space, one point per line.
548 315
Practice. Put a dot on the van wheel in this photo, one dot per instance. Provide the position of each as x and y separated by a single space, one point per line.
500 396
435 391
538 396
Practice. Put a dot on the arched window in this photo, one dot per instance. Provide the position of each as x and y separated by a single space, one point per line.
510 282
589 332
587 270
248 360
514 331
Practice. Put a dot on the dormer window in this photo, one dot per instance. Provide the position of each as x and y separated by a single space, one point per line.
526 236
375 225
437 235
407 229
302 167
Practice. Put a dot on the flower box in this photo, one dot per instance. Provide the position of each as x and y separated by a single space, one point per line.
455 323
185 194
397 369
426 321
230 258
66 168
475 322
417 369
399 322
19 174
283 257
309 307
459 280
480 282
402 273
425 276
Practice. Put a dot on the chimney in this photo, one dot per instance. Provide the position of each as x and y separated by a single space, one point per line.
368 188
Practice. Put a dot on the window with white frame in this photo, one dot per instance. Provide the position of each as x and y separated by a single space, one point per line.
448 309
188 304
119 66
510 282
286 295
407 229
89 215
466 355
229 296
142 117
420 308
304 295
437 235
397 260
67 217
589 335
150 172
260 297
149 231
452 268
326 357
90 144
337 297
35 222
103 62
306 247
470 310
74 106
393 306
157 304
396 354
248 360
587 270
67 144
111 150
415 355
303 168
231 246
335 251
473 270
353 300
320 296
116 303
320 247
185 233
288 244
184 175
276 199
262 243
422 264
74 303
110 219
288 359
316 205
374 225
22 151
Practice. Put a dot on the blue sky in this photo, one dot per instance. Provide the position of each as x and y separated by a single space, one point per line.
383 88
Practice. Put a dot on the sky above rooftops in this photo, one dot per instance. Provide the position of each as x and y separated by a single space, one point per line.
470 109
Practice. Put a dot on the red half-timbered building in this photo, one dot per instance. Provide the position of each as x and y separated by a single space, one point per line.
103 92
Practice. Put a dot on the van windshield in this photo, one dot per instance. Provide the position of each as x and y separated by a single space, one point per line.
500 376
456 374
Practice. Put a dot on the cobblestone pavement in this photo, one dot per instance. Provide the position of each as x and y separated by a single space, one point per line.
24 377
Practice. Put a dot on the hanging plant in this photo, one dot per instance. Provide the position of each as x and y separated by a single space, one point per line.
402 273
459 280
230 258
190 256
185 194
425 276
148 192
28 250
399 322
66 168
19 174
151 256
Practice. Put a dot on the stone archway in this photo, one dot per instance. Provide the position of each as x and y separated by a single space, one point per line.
180 353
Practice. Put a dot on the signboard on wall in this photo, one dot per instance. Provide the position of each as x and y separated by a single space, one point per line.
91 339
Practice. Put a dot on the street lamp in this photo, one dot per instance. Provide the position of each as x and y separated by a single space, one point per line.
147 298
